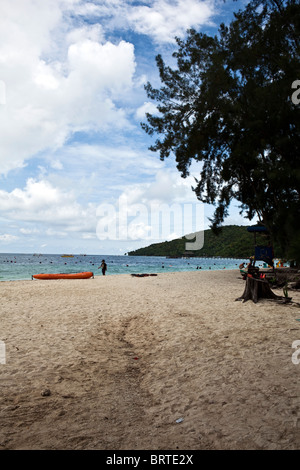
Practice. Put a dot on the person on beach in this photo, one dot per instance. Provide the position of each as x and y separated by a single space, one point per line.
103 267
244 270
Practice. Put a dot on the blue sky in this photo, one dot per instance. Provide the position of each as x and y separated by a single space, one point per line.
72 151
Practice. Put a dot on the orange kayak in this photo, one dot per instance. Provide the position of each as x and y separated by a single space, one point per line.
83 275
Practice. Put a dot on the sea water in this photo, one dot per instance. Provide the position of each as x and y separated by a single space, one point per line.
16 266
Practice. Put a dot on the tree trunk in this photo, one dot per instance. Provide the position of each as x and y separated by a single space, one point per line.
258 289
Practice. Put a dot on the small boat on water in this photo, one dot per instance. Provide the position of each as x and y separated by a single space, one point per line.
82 275
67 256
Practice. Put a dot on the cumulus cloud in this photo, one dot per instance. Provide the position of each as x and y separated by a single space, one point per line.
104 169
163 19
41 202
59 74
161 210
29 231
85 32
51 94
166 188
147 107
68 75
7 237
56 165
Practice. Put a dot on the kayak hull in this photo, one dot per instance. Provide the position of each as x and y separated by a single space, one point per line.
83 275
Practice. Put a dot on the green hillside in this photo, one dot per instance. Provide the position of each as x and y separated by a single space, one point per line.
233 242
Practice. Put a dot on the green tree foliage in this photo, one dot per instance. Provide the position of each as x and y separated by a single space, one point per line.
233 242
228 105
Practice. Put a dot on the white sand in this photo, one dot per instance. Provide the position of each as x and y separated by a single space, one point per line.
125 357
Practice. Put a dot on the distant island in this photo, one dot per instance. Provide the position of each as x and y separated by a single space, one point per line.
233 241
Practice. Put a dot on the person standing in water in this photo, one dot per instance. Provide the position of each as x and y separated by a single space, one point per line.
103 267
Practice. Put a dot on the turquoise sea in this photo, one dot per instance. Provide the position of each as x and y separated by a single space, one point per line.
17 266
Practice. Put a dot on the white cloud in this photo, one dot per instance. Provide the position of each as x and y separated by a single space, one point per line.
50 94
163 19
6 237
93 32
147 107
62 76
104 168
167 187
42 203
69 75
56 165
102 66
29 231
88 236
36 196
55 233
164 209
26 28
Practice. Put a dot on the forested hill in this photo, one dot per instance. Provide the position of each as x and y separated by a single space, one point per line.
233 242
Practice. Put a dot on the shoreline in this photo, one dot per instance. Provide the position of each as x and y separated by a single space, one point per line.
125 357
126 275
24 266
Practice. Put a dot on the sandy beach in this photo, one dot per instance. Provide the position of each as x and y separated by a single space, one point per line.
163 362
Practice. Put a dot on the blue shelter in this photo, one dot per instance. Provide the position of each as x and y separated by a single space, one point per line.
262 252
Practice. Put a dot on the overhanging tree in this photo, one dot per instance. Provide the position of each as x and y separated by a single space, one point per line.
228 105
